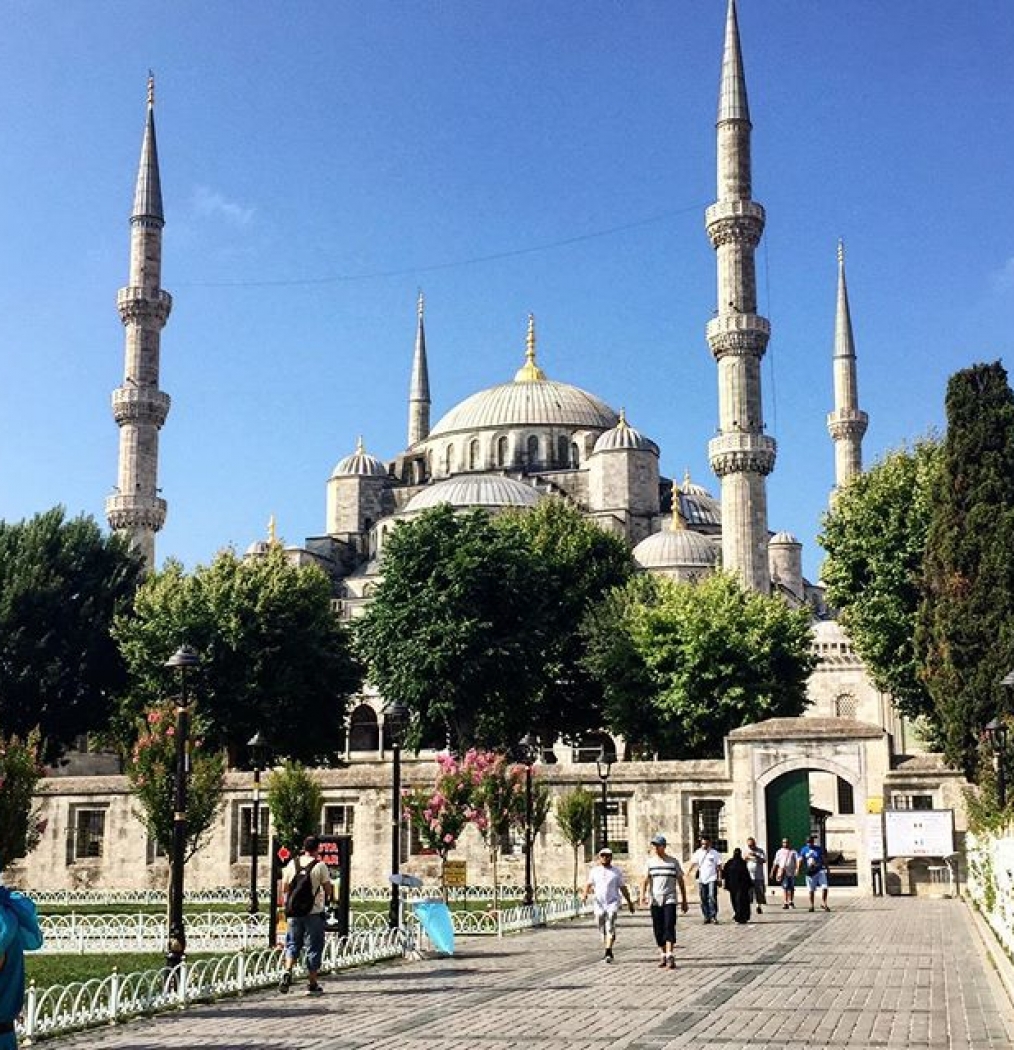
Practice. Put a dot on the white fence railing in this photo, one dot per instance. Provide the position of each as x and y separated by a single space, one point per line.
990 883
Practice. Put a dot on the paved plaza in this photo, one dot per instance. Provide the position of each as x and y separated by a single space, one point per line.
875 972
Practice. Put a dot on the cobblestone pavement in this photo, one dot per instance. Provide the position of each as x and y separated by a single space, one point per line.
875 972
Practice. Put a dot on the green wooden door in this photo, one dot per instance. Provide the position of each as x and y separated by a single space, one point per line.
787 804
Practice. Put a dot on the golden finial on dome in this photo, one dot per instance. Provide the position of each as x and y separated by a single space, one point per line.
530 372
272 532
678 523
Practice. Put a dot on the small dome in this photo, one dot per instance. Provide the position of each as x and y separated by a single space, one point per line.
624 438
360 463
784 539
475 490
257 548
676 549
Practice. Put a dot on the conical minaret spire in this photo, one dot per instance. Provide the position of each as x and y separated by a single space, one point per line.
139 407
847 423
419 389
742 455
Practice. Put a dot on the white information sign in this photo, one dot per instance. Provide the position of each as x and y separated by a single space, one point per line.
919 832
875 837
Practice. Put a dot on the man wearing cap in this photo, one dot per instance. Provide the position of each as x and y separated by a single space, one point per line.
607 885
662 875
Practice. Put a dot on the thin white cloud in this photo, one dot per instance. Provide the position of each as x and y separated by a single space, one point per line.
210 203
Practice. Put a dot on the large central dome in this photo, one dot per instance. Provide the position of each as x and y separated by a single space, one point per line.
530 400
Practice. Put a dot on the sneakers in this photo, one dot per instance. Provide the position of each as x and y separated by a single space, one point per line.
792 905
785 907
672 963
286 982
609 955
811 907
760 910
314 989
824 907
663 963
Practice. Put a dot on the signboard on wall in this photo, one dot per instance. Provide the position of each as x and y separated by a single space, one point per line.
919 832
874 837
455 873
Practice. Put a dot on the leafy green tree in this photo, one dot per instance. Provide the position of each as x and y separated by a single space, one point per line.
703 658
453 627
580 564
61 584
875 538
965 634
151 772
575 817
296 803
19 773
274 656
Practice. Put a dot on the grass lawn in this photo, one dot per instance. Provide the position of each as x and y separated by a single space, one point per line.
62 969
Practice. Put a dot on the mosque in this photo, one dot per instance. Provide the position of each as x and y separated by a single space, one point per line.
508 446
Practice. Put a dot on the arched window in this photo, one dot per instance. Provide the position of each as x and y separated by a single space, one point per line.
532 450
562 451
575 454
364 733
501 451
846 706
473 454
449 459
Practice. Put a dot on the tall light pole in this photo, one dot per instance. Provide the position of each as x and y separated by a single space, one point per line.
529 753
603 764
257 746
396 718
183 660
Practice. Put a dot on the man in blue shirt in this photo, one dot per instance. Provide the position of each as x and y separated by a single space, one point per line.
814 863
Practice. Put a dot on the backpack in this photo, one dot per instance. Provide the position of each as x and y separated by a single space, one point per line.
812 864
299 900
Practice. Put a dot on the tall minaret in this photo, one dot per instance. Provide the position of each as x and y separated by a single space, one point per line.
419 390
847 424
139 407
742 455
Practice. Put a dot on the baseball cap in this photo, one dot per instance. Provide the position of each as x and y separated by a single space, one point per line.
604 850
658 840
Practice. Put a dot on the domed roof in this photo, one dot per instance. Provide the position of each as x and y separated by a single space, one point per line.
624 438
784 539
360 463
676 549
696 504
475 490
530 400
257 548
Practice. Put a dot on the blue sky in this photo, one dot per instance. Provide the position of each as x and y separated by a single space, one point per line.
322 162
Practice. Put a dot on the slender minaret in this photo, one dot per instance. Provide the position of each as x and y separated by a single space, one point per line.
139 407
742 455
847 424
419 390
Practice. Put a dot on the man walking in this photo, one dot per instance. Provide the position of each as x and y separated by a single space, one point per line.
662 875
307 889
814 861
757 865
607 884
707 862
783 871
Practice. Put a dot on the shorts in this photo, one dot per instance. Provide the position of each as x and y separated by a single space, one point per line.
787 882
816 882
606 918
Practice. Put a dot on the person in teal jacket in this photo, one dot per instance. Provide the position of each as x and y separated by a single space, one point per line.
19 932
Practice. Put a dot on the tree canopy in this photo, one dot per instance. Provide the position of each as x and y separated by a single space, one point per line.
274 657
474 626
681 664
61 584
965 632
875 538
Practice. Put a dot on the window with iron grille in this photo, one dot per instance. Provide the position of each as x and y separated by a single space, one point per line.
912 801
708 818
617 829
87 834
846 797
337 820
246 831
846 706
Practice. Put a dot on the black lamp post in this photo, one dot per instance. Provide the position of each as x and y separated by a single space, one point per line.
183 659
257 746
396 718
604 764
528 750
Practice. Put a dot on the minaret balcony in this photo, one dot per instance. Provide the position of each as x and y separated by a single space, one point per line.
139 305
742 453
140 404
735 222
844 423
738 334
135 512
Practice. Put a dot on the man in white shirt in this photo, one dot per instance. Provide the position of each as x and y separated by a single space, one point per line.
707 862
783 870
607 884
662 874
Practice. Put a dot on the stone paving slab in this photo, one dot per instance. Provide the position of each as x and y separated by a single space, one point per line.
875 972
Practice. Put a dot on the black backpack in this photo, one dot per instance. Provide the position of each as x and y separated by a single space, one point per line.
299 900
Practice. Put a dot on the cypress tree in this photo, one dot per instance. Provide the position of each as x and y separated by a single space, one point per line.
965 631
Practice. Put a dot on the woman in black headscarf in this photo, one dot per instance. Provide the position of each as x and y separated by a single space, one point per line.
739 884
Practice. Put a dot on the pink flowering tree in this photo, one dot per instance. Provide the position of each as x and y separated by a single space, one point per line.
19 773
150 767
499 804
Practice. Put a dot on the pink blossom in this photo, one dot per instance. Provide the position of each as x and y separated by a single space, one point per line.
449 839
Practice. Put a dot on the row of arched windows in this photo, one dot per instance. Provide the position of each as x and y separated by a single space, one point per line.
504 452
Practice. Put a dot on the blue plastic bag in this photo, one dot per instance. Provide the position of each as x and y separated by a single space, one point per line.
435 918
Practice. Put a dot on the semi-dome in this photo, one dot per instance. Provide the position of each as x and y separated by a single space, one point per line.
696 504
529 400
360 463
676 549
624 438
475 490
